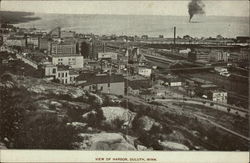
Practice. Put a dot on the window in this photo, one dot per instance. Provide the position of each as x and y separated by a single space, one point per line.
65 81
62 74
54 71
59 74
66 74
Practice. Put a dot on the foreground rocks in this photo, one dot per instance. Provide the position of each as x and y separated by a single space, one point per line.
103 141
167 145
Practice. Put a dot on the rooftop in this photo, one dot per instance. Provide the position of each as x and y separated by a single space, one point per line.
62 68
66 55
135 77
92 78
199 80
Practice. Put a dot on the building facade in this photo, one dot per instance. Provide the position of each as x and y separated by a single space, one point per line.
144 71
107 55
74 61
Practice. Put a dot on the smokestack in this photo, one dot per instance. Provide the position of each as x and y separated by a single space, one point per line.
174 34
195 7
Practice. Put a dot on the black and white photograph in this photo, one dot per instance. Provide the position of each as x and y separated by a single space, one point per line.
124 75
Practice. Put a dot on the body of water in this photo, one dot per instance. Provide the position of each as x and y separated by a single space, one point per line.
202 26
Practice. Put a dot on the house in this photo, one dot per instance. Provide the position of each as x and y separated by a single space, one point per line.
105 83
63 74
60 72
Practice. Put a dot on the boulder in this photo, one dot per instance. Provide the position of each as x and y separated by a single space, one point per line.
78 126
103 141
2 145
118 113
145 123
86 116
167 145
141 148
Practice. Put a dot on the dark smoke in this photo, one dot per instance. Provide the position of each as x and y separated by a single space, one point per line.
195 7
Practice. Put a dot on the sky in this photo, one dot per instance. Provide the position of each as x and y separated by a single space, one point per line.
167 7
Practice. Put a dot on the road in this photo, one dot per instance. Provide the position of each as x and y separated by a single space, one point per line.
240 113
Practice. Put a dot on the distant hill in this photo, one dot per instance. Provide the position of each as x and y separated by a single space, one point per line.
13 17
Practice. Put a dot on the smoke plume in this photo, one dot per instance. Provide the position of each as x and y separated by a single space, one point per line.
195 7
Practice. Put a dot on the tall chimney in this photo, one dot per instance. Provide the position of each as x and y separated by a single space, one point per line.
174 34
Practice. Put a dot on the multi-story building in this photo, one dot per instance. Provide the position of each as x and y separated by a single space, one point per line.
33 40
96 47
73 60
198 55
218 55
43 43
60 72
63 75
62 48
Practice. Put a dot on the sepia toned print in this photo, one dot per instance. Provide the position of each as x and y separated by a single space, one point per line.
124 76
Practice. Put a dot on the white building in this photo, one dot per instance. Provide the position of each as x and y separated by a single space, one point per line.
218 96
74 61
67 34
63 75
107 55
144 71
50 70
33 41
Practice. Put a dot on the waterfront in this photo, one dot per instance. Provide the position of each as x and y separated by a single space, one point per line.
143 25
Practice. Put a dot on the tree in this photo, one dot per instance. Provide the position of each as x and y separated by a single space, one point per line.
85 49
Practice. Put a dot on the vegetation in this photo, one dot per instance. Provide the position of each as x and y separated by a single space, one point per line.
11 17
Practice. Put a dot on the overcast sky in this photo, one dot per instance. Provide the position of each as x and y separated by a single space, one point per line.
217 7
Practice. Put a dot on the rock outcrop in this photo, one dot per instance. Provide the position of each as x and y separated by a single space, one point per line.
103 141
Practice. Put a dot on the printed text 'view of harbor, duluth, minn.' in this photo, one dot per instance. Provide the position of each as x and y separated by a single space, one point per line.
126 77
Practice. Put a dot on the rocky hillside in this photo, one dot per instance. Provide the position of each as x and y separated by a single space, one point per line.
37 114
